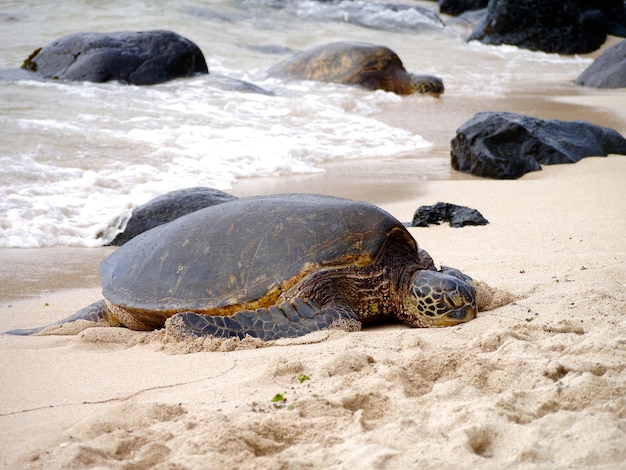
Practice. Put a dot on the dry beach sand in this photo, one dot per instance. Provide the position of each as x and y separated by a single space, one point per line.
537 383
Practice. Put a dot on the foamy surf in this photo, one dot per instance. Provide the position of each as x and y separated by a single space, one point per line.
114 146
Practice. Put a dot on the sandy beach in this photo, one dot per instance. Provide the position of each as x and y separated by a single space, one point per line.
537 383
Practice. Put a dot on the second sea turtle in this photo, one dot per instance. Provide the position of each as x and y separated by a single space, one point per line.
354 63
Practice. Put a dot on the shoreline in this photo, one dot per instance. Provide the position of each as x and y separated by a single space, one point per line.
412 179
68 272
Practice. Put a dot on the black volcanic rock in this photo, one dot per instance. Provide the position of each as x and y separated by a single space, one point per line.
456 7
506 145
608 70
562 26
167 207
138 58
457 216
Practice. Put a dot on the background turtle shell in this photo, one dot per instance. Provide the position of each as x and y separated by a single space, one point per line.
236 253
340 62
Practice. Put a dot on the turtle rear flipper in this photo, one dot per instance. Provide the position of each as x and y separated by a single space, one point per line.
288 320
96 312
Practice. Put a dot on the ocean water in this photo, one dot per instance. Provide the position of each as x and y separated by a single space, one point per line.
75 158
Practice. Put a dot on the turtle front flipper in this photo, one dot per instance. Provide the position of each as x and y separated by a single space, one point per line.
96 312
288 320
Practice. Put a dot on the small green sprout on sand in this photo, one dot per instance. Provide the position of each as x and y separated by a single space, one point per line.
46 304
279 398
303 378
280 401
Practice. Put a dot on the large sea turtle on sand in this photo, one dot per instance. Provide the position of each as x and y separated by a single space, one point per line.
276 266
355 63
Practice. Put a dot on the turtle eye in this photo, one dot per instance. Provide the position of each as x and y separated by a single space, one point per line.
455 300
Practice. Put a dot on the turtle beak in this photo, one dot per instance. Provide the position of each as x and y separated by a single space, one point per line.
436 90
454 317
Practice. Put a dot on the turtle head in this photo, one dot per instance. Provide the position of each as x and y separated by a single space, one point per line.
427 84
440 299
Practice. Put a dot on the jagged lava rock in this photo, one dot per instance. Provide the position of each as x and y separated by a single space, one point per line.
457 216
561 26
506 145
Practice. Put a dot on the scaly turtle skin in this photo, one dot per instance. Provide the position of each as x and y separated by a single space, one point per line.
277 266
353 63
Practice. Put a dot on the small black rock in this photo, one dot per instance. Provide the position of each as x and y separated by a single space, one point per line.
458 216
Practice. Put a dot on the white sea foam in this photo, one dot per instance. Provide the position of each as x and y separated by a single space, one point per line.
384 16
113 147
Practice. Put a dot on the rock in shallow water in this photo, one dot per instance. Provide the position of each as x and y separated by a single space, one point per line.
167 207
506 145
137 58
456 7
561 26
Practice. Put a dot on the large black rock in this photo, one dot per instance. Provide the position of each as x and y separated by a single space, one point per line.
506 145
608 70
167 207
562 26
138 58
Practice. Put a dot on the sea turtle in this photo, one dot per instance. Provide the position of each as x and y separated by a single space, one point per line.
277 266
354 63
